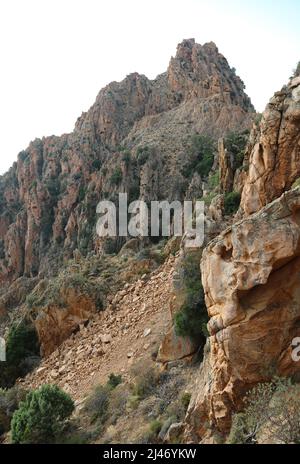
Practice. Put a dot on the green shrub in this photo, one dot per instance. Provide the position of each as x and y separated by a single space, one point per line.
231 202
235 143
185 400
111 246
146 378
53 186
201 156
214 180
42 416
114 381
155 427
24 156
81 193
22 342
271 408
96 165
126 158
47 221
142 155
192 318
116 177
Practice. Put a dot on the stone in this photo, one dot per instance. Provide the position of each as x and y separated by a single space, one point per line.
174 347
174 432
106 338
274 159
254 309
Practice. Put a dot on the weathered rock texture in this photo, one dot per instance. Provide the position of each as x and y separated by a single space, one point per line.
49 197
55 324
251 275
275 156
226 169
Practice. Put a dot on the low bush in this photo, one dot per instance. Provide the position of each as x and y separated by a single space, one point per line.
96 165
9 403
97 404
42 416
214 180
22 343
271 409
192 318
126 158
155 427
185 400
116 177
201 156
142 155
146 378
231 202
114 381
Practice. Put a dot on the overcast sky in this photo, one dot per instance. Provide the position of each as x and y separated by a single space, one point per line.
57 54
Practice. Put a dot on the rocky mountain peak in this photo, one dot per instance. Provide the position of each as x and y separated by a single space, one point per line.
49 198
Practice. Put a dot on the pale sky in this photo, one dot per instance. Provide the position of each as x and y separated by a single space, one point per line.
57 54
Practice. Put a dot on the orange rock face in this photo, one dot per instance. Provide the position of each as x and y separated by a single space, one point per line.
55 324
251 275
275 157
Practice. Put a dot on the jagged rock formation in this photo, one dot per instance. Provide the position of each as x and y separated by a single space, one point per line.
250 275
253 304
226 168
49 197
274 162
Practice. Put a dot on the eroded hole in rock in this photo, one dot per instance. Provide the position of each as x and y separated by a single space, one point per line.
226 255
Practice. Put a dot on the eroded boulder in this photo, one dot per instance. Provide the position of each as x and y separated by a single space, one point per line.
251 279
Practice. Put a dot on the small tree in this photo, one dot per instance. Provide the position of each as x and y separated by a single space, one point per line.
201 156
272 408
41 417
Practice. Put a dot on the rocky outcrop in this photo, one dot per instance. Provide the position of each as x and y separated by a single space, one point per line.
274 161
251 275
226 168
133 139
54 324
130 327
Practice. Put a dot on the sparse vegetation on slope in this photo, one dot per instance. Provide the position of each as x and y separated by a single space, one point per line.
201 156
272 413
